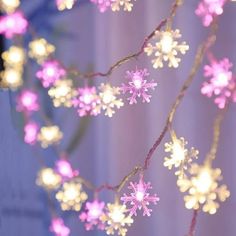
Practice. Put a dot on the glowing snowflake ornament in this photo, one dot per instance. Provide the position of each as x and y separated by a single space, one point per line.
140 198
50 72
40 49
48 179
103 5
138 85
180 157
116 219
13 24
208 9
12 78
31 132
49 135
108 99
222 84
9 6
14 57
58 227
203 188
91 215
71 196
87 101
167 48
64 169
27 101
62 93
65 4
127 5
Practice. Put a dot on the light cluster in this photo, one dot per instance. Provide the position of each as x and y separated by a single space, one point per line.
222 83
65 4
9 6
166 48
58 227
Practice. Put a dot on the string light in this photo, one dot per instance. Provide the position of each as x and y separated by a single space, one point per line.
65 4
14 57
49 135
9 6
103 5
31 133
166 48
58 227
71 196
64 169
12 78
127 5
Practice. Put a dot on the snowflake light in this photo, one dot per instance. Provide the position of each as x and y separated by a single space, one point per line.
222 84
127 5
138 85
14 57
62 93
65 4
48 179
208 9
9 6
13 24
203 188
140 198
51 72
64 169
71 196
58 227
87 101
108 99
91 215
40 49
27 101
167 48
31 132
180 157
116 219
49 135
103 5
12 78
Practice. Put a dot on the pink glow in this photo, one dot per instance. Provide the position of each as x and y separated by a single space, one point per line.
87 101
138 85
58 227
13 24
64 168
207 9
91 215
31 133
103 5
222 83
27 101
50 72
140 198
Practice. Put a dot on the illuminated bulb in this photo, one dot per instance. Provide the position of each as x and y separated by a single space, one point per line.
107 97
27 101
166 43
140 196
63 168
12 78
65 4
204 181
14 57
222 80
9 6
117 215
31 133
178 151
137 80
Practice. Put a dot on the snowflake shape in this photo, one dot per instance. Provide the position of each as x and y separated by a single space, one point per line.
167 48
13 24
208 9
58 227
203 188
14 57
65 4
180 157
71 196
62 93
50 72
49 135
140 198
87 102
108 99
116 219
91 215
222 83
12 78
138 86
126 4
65 170
103 5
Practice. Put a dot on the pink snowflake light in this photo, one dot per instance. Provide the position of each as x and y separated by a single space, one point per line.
91 215
27 101
13 24
64 169
50 72
58 227
138 85
140 198
103 5
207 9
222 83
87 101
31 132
